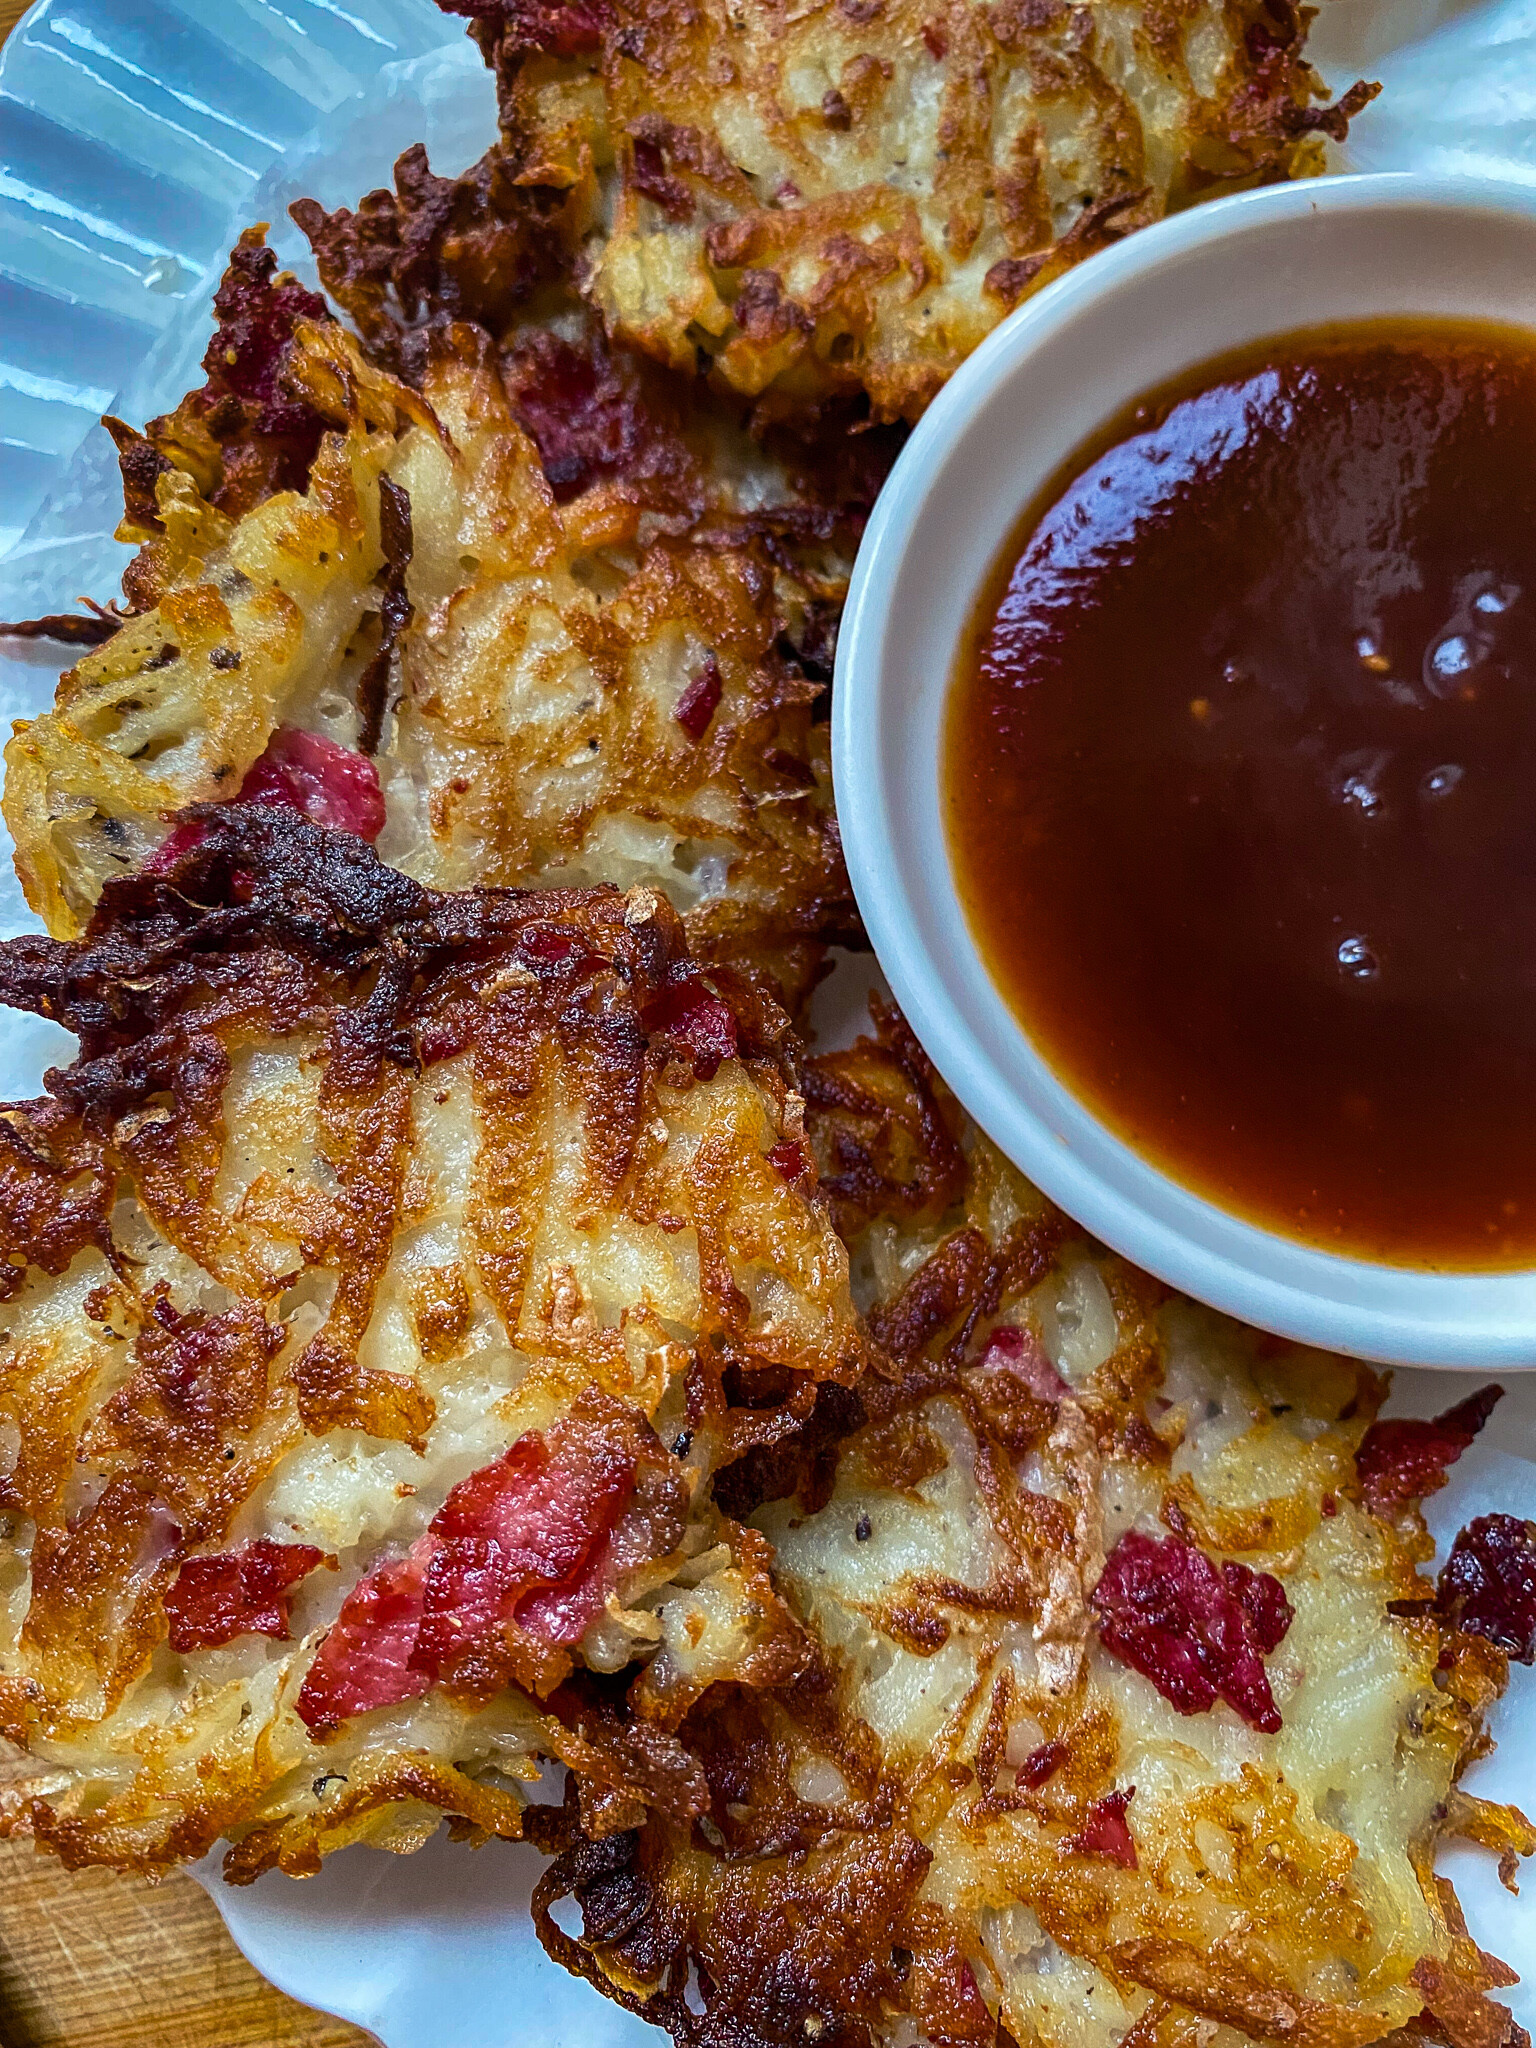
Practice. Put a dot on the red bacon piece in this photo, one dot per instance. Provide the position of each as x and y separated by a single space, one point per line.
1197 1633
701 1026
256 321
588 421
329 783
549 948
971 2005
1488 1586
1402 1461
519 1541
558 28
242 1592
1106 1832
790 1158
534 1540
300 771
365 1661
1263 1600
700 700
652 177
1021 1353
1041 1765
562 1613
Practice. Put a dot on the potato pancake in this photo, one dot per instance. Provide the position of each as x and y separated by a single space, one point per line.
1133 1717
611 676
450 1325
846 197
384 1282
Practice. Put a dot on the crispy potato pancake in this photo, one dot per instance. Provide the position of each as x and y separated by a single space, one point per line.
613 675
846 197
384 1281
447 1325
1134 1719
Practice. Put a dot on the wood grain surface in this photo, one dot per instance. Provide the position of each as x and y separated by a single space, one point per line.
91 1960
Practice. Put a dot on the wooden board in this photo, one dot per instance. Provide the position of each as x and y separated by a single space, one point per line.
91 1960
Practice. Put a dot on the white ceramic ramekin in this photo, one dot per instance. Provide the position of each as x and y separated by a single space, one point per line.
1210 280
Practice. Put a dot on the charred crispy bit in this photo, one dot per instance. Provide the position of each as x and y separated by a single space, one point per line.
467 248
844 199
79 629
1488 1586
365 1272
248 432
600 413
1056 1774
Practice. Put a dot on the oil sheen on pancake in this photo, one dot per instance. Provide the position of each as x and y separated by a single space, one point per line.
1240 776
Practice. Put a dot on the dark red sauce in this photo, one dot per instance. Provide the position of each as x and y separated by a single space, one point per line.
1241 776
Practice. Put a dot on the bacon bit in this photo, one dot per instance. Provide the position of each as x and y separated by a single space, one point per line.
1488 1586
267 437
1106 1832
586 420
1041 1764
971 2001
327 783
936 39
1196 1633
526 1541
562 1613
242 1592
790 1158
519 1539
1020 1352
300 771
256 320
656 182
1263 1600
365 1661
696 1020
553 946
558 28
1402 1461
765 312
1330 1506
700 700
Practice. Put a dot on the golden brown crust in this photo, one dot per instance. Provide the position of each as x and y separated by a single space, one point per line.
949 1524
319 1110
519 660
842 199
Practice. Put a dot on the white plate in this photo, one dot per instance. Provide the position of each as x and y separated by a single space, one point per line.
136 138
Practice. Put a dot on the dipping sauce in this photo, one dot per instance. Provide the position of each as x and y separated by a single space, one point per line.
1241 779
